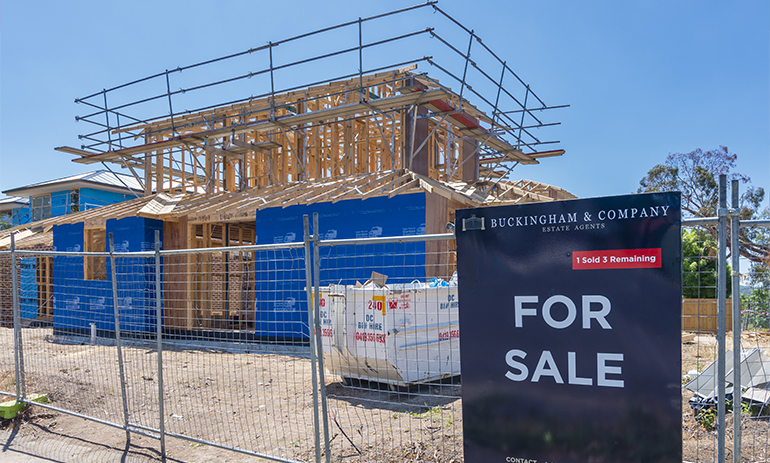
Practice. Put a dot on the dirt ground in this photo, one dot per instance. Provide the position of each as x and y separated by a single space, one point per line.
261 402
698 440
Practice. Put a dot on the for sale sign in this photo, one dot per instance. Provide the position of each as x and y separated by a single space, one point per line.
570 320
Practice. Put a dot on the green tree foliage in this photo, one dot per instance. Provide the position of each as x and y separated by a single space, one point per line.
755 304
5 220
755 309
696 174
699 266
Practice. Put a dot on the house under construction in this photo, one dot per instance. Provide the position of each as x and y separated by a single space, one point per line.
389 149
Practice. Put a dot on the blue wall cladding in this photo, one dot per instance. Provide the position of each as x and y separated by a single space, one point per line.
134 233
60 203
79 302
28 297
136 275
91 198
21 216
281 306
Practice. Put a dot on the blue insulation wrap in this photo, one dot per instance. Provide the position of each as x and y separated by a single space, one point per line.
78 301
136 275
281 307
21 215
68 278
60 203
28 300
91 198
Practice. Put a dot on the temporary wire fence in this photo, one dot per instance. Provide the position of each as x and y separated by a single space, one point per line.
219 356
726 343
699 340
755 325
8 352
238 364
388 312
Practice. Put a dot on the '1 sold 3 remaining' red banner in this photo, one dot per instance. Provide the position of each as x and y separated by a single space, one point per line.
616 259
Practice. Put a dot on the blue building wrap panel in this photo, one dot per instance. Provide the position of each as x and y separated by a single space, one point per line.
91 198
28 300
133 234
281 307
69 299
60 203
136 275
21 215
79 302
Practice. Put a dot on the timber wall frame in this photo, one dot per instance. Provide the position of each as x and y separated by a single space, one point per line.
423 115
392 115
212 290
242 207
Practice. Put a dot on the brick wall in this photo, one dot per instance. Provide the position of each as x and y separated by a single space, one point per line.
6 284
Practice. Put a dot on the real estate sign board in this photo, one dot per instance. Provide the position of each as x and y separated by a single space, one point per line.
571 331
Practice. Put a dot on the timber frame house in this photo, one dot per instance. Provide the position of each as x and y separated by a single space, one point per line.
390 130
394 115
397 120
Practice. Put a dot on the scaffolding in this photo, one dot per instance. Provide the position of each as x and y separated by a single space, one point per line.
400 99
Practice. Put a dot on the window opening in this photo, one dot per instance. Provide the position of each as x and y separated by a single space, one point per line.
95 240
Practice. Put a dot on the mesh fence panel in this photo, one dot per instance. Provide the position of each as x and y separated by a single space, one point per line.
699 341
755 339
700 353
7 361
58 304
135 296
389 318
236 361
236 354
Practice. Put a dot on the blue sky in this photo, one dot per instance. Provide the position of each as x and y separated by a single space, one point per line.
643 78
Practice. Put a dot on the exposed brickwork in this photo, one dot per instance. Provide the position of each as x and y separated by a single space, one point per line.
6 284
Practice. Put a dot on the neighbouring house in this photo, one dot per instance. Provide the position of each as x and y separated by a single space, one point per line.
29 206
9 210
68 195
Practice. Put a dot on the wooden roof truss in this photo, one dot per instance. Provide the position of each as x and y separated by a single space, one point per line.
239 207
352 125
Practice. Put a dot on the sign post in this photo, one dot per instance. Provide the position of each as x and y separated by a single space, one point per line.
570 314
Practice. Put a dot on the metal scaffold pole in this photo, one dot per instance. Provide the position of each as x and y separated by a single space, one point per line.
17 342
159 335
722 317
736 307
121 365
312 334
317 324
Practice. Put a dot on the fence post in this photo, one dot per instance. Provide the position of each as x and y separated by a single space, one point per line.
117 339
319 340
159 337
722 317
18 350
736 283
311 329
